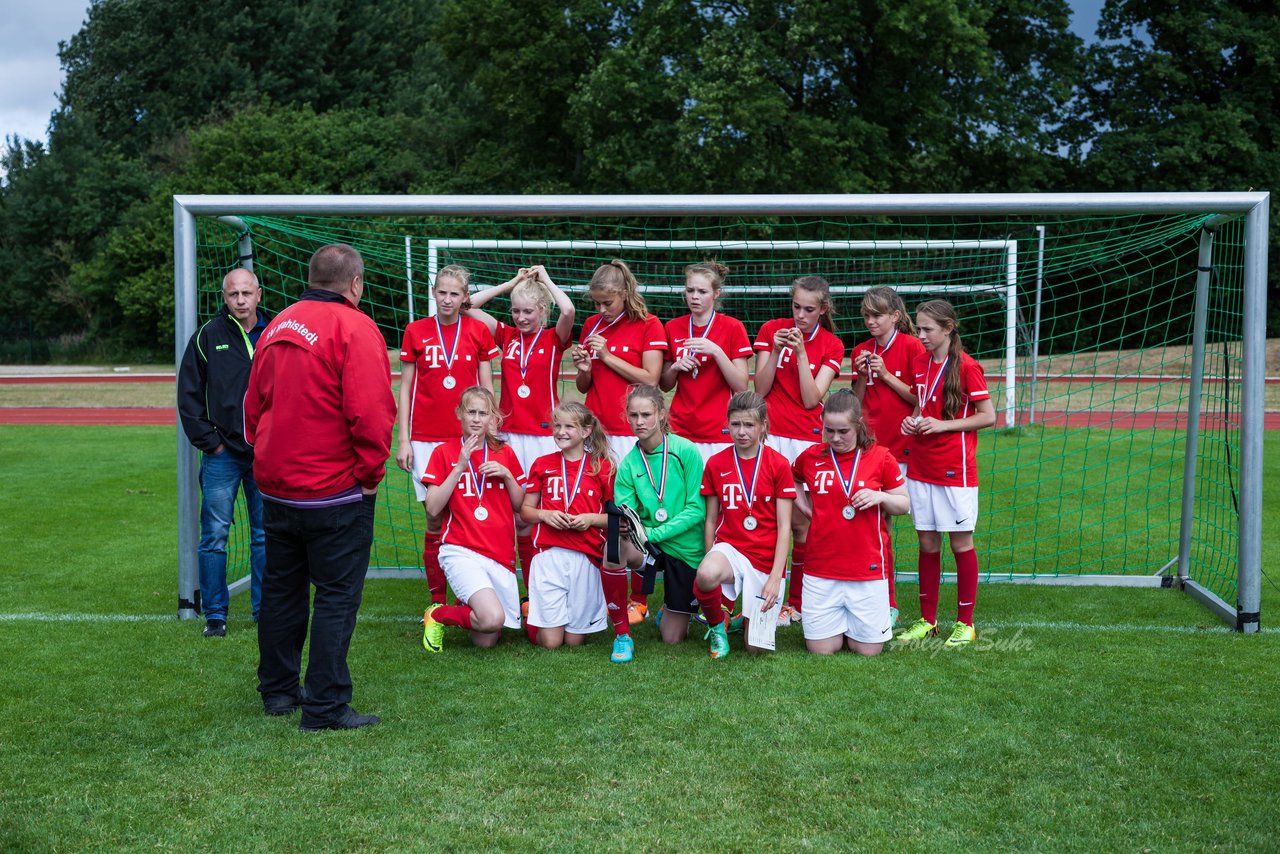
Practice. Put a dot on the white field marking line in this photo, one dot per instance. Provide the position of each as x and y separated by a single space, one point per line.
1047 625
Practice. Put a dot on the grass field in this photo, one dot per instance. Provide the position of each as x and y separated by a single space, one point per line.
1092 719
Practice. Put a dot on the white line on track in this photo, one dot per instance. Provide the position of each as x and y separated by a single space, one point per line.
1003 625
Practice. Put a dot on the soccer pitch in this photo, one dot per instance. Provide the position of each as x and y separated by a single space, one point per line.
1090 719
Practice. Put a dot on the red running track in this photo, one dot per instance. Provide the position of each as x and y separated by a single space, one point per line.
154 415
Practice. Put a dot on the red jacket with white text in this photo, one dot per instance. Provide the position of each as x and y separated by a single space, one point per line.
319 408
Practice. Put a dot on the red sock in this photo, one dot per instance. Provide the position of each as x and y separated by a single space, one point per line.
431 565
893 597
966 585
727 603
524 545
614 583
795 595
710 602
532 632
453 615
637 590
930 579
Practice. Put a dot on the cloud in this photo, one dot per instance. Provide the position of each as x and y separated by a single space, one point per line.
30 75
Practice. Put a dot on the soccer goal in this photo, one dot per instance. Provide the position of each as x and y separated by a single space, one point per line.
1122 337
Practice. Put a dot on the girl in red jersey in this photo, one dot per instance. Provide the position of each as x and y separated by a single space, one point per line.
530 370
797 360
749 493
474 486
884 379
439 357
565 503
706 360
621 346
942 471
849 487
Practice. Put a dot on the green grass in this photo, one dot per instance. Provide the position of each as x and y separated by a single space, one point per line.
1150 729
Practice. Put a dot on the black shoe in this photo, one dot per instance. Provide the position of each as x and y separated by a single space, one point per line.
349 719
215 629
278 706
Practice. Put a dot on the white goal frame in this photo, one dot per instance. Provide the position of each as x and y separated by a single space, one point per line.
1252 206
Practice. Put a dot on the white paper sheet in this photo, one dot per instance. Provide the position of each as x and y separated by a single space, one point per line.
762 626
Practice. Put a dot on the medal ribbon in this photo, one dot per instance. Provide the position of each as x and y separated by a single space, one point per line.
451 353
525 357
597 328
748 492
886 347
479 481
706 333
938 379
644 458
846 485
577 483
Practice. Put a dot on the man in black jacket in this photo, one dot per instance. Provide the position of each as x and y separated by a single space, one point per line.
211 387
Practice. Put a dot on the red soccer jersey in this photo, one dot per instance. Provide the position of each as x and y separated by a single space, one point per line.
949 459
547 478
541 354
493 536
721 478
882 408
432 417
857 549
787 415
698 407
628 340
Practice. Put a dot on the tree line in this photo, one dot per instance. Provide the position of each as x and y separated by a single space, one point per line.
600 96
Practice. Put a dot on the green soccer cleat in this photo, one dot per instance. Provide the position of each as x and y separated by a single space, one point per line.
893 617
961 636
732 622
717 641
624 649
657 618
432 632
917 631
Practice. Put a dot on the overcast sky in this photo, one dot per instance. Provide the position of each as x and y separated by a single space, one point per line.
30 75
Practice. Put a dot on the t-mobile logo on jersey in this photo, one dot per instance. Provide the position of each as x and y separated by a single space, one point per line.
731 494
784 356
822 480
513 351
433 354
467 485
555 488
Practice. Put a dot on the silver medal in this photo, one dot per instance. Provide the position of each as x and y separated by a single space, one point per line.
481 514
449 381
847 512
524 391
661 515
750 523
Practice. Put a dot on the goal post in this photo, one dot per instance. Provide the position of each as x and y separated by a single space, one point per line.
1046 472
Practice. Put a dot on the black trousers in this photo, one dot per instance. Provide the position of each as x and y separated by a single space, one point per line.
327 548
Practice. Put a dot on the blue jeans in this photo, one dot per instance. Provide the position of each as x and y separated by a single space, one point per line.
220 479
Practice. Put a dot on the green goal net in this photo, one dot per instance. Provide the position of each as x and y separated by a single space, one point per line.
1085 327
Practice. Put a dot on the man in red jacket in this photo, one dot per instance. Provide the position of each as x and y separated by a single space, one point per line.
318 413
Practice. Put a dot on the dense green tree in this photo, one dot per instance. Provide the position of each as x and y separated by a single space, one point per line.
1185 96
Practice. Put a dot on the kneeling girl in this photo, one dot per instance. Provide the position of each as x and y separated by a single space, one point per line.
749 492
564 502
854 486
474 486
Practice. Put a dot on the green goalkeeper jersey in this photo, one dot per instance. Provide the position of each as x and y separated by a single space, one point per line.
681 534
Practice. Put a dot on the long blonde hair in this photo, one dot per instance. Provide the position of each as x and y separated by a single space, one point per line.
536 293
492 439
616 278
463 275
596 444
